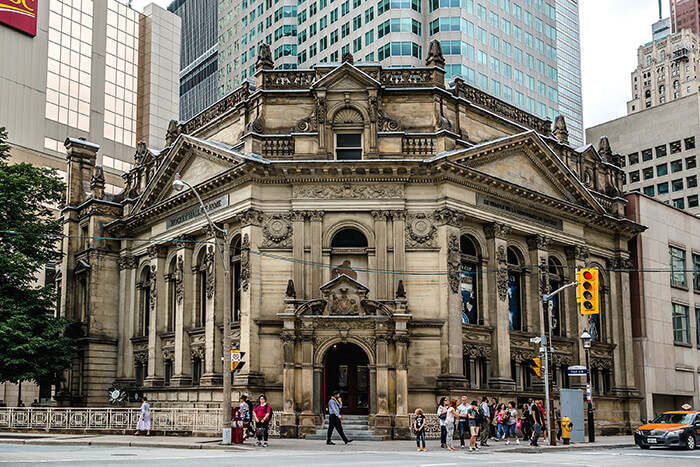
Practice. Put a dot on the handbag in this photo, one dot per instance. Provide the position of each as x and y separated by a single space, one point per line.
260 432
442 416
519 424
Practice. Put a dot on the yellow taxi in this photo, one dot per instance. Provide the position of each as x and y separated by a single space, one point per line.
677 428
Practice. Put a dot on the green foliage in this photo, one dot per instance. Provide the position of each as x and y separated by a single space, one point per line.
32 345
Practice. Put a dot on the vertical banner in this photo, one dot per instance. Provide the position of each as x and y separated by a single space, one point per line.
20 14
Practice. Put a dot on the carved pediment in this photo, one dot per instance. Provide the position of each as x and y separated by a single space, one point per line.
346 78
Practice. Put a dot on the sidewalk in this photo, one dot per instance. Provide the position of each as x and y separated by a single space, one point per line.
185 442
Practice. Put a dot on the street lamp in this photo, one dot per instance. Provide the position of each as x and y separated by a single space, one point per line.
586 338
178 185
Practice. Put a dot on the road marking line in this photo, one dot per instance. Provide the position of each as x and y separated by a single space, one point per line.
434 465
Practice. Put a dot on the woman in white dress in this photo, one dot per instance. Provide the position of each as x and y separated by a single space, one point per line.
145 418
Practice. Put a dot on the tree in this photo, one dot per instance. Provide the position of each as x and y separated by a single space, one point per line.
32 342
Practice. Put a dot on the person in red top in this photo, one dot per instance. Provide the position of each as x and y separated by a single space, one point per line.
262 415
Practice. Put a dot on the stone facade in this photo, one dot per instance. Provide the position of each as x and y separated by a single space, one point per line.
368 209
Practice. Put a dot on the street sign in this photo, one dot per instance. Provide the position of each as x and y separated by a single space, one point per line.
577 370
236 359
536 340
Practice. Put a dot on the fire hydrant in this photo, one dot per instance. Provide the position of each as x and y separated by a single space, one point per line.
566 426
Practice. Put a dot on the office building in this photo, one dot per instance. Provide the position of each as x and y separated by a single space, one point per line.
685 14
657 139
198 54
665 296
85 69
526 53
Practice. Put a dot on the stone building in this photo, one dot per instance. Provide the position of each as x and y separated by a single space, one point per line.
385 236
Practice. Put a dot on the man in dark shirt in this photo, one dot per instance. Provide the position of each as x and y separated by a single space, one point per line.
334 418
536 420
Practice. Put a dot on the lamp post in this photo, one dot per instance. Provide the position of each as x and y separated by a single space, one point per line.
586 338
224 254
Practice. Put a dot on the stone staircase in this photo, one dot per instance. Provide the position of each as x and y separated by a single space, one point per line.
354 426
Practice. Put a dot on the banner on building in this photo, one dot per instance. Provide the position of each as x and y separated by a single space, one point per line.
20 14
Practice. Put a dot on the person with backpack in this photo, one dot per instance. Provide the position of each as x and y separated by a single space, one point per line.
536 417
484 414
262 415
244 410
510 418
473 415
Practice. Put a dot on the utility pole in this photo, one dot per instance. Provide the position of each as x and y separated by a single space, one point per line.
547 315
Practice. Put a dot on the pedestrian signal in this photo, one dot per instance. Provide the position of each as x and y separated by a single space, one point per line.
587 291
534 366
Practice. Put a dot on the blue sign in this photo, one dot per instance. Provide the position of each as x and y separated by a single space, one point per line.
577 370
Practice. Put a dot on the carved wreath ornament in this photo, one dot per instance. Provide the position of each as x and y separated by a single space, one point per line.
277 231
420 229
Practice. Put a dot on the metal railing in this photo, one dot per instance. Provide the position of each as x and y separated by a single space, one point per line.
175 419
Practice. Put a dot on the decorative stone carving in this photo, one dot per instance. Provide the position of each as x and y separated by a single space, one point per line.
179 280
172 132
447 216
420 230
578 252
453 263
277 231
315 216
250 217
387 123
474 350
209 263
344 304
321 110
287 336
502 273
373 108
290 292
560 132
348 191
264 61
97 183
400 291
539 242
142 149
224 105
435 57
141 357
127 262
256 126
381 215
348 116
157 251
348 58
245 262
153 291
497 230
604 149
197 352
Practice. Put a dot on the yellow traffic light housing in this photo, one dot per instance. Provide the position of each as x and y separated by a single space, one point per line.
534 366
587 291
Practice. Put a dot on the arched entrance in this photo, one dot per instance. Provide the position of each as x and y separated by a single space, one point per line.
345 367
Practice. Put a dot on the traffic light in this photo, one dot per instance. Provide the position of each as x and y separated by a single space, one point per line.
534 366
587 291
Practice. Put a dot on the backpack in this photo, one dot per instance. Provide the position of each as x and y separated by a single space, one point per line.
478 415
481 413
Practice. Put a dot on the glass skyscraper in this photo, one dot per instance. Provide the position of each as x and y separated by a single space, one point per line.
525 52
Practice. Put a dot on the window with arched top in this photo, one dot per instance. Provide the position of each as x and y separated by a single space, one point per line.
647 94
144 302
676 84
349 254
172 296
515 290
236 278
200 307
469 280
348 125
595 322
556 274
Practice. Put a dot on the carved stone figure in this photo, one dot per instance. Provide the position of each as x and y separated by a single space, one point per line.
170 135
560 132
209 267
435 57
290 293
245 262
179 280
348 58
502 273
400 291
345 268
453 263
153 289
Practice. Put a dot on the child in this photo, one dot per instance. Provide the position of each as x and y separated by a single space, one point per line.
419 427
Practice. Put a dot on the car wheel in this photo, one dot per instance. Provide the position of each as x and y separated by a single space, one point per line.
690 442
641 446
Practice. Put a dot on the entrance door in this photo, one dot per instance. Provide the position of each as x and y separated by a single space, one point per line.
345 369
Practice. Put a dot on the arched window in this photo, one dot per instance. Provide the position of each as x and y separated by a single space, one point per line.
172 297
203 268
676 84
145 302
595 322
236 278
647 93
349 255
663 55
555 281
469 280
348 125
662 89
515 312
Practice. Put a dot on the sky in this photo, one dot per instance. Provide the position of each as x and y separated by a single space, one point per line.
611 33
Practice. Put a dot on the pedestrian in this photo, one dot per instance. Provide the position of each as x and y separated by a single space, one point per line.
536 417
20 403
245 414
557 418
525 424
450 418
493 408
500 411
262 415
145 418
442 414
335 419
543 411
419 427
35 403
473 415
510 418
463 422
484 412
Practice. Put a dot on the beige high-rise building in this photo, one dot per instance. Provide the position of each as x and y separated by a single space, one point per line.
97 70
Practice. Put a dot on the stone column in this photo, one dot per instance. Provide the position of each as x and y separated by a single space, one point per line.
399 224
298 255
183 305
382 419
539 254
402 424
128 308
288 423
316 242
497 235
380 218
309 390
576 258
213 268
619 314
157 315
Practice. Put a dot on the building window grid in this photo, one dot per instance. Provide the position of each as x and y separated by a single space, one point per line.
121 73
677 263
681 324
69 63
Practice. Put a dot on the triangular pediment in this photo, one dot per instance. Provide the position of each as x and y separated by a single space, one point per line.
343 282
196 161
526 161
346 78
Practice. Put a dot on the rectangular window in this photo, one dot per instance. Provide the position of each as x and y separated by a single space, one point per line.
677 260
348 146
661 151
690 162
679 203
662 188
369 37
647 155
649 190
634 177
677 185
696 274
690 143
633 158
661 169
675 147
693 201
649 173
697 326
681 328
692 181
676 166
